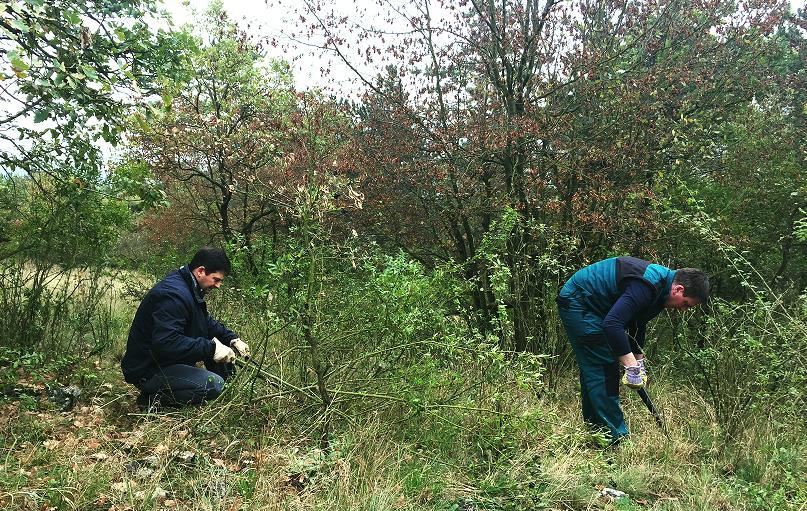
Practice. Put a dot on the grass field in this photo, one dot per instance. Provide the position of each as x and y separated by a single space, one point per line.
242 453
515 447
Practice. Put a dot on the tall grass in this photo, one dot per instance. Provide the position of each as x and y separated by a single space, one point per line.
59 311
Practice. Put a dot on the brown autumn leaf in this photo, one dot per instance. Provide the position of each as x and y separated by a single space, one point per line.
236 505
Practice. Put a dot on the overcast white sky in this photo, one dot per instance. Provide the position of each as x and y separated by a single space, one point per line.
275 22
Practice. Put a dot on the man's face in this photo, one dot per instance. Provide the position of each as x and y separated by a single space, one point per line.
678 301
208 281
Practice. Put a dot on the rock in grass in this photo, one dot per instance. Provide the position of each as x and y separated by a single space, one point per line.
64 397
186 457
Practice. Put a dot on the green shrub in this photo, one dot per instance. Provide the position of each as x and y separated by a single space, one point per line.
750 361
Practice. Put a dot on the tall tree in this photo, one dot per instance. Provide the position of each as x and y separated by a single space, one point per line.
571 114
71 71
229 143
217 143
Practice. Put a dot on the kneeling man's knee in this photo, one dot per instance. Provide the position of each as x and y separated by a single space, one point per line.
214 387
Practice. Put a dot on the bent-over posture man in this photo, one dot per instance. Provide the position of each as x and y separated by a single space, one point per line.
172 331
603 301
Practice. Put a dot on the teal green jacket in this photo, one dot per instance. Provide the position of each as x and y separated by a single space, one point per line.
597 287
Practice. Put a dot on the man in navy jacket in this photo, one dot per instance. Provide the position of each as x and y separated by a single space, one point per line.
604 302
172 331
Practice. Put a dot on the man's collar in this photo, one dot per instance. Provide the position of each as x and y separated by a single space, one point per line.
198 293
668 282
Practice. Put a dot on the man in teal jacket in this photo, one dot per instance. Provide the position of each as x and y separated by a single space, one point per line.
605 308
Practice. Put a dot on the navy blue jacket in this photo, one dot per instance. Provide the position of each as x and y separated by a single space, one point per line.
171 326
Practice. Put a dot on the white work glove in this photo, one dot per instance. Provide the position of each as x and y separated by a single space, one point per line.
240 347
633 377
642 368
223 353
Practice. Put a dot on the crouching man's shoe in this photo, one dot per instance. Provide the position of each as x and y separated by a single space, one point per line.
149 403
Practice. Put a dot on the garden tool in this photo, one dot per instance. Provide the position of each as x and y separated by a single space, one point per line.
243 361
650 406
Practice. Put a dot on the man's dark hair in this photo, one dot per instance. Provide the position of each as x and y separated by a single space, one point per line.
213 259
695 282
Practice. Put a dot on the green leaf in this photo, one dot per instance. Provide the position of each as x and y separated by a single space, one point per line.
19 65
141 121
72 17
20 25
41 115
168 100
89 72
16 62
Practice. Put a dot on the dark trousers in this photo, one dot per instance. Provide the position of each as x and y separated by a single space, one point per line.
599 368
182 384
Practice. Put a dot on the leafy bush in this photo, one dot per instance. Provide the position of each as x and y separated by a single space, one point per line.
369 333
750 361
747 353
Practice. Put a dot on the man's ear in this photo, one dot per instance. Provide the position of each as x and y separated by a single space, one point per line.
677 289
